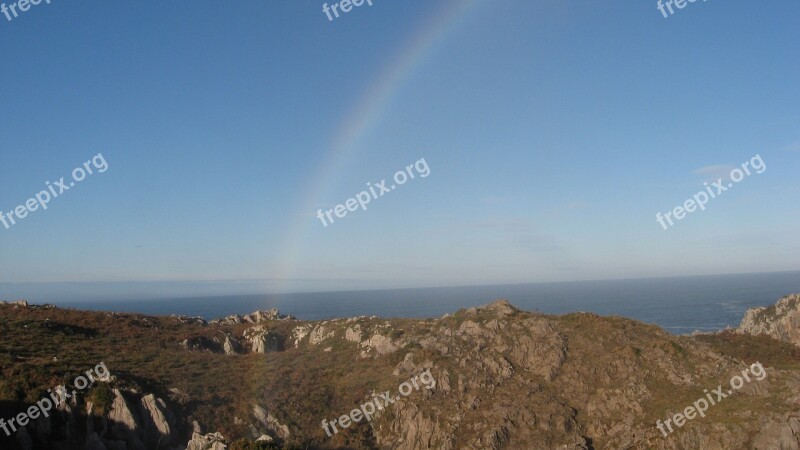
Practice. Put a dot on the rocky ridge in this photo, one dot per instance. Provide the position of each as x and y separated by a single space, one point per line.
505 379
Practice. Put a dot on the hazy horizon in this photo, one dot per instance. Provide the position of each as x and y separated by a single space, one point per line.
110 291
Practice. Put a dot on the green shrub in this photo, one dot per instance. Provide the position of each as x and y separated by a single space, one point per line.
102 398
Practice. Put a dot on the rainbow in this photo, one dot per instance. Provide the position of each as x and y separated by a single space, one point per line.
366 114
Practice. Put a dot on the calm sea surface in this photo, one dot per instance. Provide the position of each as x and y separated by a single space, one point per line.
679 305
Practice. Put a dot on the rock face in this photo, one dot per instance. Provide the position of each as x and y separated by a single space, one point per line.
780 321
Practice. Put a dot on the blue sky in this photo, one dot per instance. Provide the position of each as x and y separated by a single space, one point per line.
554 131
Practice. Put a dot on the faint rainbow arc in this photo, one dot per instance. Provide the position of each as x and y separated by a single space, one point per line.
373 105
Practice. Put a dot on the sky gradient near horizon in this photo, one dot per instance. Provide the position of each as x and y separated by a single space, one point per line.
554 133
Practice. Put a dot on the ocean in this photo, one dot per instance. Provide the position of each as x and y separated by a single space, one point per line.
679 305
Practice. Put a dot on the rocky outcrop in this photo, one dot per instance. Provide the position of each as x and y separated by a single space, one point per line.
353 334
124 424
269 425
158 421
299 333
270 314
256 317
231 346
197 320
211 441
780 321
411 429
254 339
263 340
382 345
23 303
132 422
202 344
320 333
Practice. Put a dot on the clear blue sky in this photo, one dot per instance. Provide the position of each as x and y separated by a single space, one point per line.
554 131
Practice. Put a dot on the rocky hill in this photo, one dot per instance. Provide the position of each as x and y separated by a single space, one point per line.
500 379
